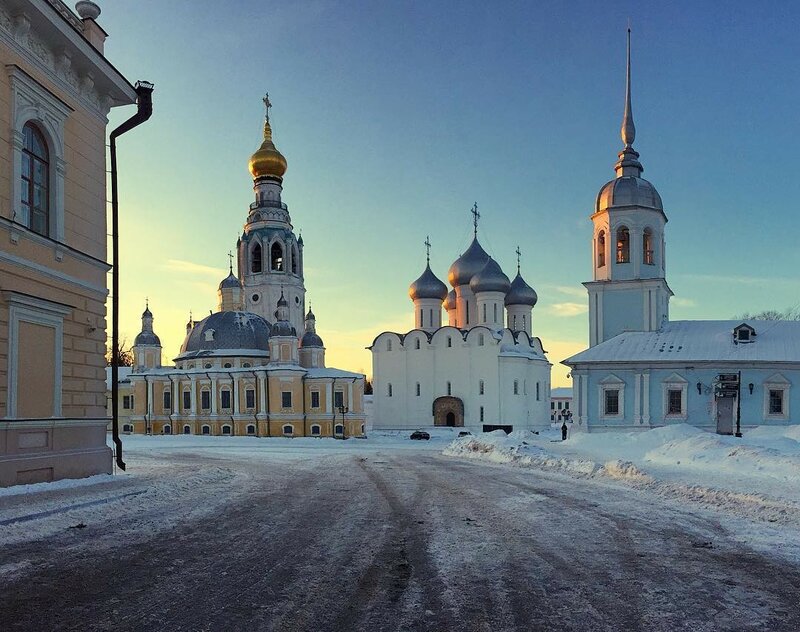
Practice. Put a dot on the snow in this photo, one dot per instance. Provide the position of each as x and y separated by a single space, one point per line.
752 481
700 341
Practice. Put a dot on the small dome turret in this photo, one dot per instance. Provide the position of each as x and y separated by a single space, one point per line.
427 285
490 279
521 293
450 301
229 281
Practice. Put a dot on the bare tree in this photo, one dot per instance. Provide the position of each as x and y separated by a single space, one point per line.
125 354
791 313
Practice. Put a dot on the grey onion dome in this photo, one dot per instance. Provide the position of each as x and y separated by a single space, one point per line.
147 313
310 314
311 339
282 301
490 279
450 301
147 338
229 281
628 191
228 330
427 285
467 265
521 293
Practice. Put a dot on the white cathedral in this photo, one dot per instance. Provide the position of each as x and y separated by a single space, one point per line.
484 370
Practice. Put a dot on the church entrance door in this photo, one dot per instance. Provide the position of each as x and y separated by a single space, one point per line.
725 415
448 411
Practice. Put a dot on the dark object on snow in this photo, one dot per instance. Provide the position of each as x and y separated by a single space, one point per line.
420 434
465 433
703 545
564 431
80 525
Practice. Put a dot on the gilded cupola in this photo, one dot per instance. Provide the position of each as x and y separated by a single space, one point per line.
267 161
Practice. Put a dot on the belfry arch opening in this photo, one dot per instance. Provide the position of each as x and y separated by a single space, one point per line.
276 257
601 249
623 245
256 259
647 247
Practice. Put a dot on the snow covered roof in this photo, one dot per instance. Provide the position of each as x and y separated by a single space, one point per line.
326 372
700 341
122 375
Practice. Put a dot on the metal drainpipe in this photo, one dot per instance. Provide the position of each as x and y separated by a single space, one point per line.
144 103
305 420
147 429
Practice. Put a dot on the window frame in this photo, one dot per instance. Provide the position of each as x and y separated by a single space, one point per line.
776 382
284 399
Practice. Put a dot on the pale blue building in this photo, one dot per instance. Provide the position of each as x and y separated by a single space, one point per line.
641 370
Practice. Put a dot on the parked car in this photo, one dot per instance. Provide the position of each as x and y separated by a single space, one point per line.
465 433
420 434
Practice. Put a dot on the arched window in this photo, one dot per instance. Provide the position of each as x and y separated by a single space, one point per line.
480 387
315 431
206 430
623 245
418 389
35 179
276 257
127 428
449 388
647 247
339 429
251 429
389 390
484 312
167 430
288 430
226 430
601 249
187 429
495 312
295 259
256 259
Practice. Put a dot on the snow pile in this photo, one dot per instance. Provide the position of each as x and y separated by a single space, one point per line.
518 448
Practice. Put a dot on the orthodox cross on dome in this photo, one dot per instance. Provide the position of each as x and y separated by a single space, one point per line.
475 217
230 261
519 257
428 248
267 104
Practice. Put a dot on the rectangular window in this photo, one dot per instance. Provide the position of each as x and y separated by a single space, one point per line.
674 401
338 399
537 391
250 398
775 401
418 389
314 399
552 405
127 402
205 400
560 405
481 413
167 401
225 399
566 405
187 400
286 399
480 387
612 402
516 387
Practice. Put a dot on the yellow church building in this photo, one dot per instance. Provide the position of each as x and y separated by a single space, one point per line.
256 366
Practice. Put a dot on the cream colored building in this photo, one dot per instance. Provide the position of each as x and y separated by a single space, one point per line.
56 90
257 365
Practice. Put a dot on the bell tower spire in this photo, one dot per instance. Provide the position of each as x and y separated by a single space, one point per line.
628 163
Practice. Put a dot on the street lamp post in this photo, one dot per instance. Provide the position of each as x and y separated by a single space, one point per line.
344 410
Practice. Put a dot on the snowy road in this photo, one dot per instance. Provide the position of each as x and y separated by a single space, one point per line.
389 540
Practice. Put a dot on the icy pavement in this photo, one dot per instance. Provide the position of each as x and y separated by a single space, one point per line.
236 533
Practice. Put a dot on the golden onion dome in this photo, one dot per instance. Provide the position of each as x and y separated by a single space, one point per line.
267 161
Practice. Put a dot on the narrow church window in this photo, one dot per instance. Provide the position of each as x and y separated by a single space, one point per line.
601 249
286 399
449 389
167 401
314 399
480 387
295 258
35 178
255 259
416 343
389 390
449 341
421 318
467 307
647 247
225 399
430 317
623 245
338 399
276 257
480 340
388 345
516 387
418 389
187 400
250 398
775 401
481 414
523 321
537 391
484 312
205 400
514 323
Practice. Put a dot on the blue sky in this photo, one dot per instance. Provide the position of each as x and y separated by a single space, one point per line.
396 116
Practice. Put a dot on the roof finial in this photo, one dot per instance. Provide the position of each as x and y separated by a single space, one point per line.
628 130
268 103
230 261
519 256
267 126
475 217
428 248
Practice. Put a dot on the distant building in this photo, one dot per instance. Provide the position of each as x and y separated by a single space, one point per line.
56 90
484 370
642 370
125 403
560 404
256 366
